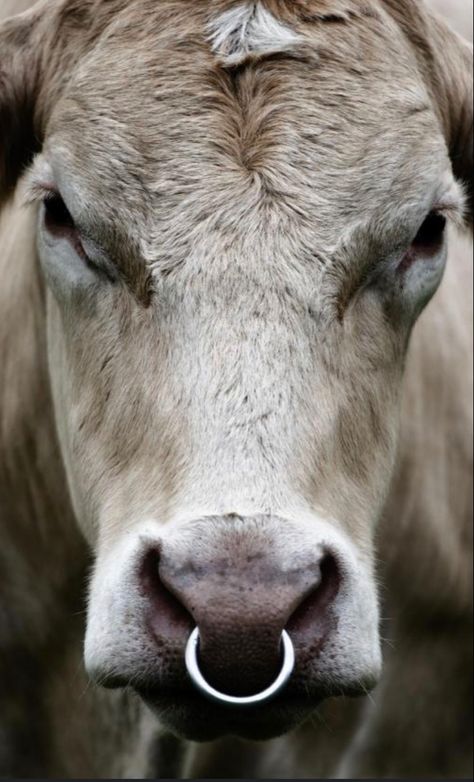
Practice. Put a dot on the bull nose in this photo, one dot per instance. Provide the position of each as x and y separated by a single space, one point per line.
241 601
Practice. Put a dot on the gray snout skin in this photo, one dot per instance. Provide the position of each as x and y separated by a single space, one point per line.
240 584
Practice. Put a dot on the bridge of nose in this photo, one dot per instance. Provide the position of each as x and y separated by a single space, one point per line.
241 601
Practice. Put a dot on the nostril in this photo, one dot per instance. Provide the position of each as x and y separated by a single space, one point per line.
314 616
167 617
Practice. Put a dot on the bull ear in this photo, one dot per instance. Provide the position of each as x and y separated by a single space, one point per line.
449 61
38 52
20 136
445 61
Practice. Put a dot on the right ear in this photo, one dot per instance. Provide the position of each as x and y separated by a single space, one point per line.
38 51
451 78
20 132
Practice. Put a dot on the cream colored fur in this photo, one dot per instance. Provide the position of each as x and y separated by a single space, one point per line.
422 542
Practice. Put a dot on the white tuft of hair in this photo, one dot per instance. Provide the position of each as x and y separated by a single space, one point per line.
249 29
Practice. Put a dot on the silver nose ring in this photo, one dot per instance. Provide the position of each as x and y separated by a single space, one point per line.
192 665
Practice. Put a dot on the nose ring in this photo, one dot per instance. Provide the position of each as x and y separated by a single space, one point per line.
192 665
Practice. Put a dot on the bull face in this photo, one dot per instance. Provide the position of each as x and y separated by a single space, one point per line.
242 216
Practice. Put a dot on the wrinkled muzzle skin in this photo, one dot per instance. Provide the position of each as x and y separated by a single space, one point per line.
230 297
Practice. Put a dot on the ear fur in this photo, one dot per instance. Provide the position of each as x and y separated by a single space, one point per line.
452 85
445 61
38 52
18 88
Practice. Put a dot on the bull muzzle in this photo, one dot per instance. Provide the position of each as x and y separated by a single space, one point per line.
234 624
244 591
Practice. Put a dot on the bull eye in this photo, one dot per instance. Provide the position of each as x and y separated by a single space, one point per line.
427 242
56 214
59 222
430 234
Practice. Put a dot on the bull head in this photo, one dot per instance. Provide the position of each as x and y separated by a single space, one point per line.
228 315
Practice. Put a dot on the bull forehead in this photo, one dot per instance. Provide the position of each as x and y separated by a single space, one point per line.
308 128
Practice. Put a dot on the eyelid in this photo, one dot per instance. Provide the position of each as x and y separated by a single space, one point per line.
39 181
453 204
35 192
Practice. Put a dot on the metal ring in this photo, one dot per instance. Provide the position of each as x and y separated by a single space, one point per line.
191 659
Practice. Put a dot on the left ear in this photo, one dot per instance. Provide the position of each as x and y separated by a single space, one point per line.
449 74
445 61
